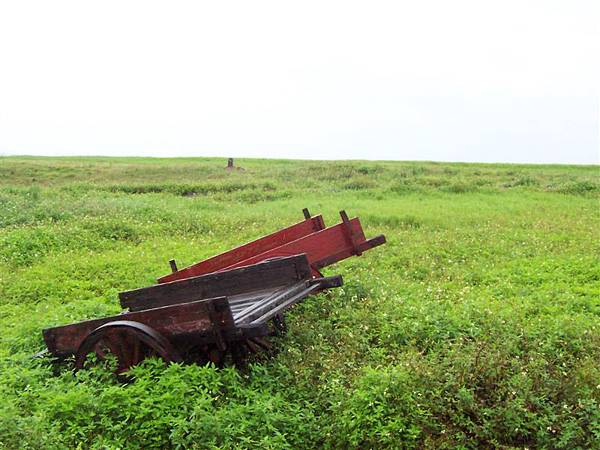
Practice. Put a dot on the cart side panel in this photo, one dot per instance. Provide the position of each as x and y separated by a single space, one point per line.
231 257
268 274
324 247
171 321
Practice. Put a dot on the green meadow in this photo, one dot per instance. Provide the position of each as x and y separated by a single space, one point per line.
475 326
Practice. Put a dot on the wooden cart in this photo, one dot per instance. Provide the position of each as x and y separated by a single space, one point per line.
222 307
201 319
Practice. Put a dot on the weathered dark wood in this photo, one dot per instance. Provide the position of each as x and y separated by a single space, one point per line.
262 310
291 293
328 282
130 342
243 302
264 344
277 272
228 259
214 317
252 346
172 321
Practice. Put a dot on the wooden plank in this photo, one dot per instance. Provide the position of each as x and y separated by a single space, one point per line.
324 247
269 313
234 256
241 302
250 296
288 295
265 310
171 321
258 309
278 272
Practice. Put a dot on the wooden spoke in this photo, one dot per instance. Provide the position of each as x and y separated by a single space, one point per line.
252 346
130 342
264 344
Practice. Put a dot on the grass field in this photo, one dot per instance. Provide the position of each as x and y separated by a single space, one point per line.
475 326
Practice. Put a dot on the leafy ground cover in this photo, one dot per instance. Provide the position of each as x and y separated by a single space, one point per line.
475 326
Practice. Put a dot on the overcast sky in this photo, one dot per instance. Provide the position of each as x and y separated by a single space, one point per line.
510 81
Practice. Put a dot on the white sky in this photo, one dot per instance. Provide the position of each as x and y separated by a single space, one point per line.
512 81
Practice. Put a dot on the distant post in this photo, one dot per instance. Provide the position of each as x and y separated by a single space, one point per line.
230 165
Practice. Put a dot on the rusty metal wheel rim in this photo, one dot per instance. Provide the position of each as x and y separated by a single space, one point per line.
129 341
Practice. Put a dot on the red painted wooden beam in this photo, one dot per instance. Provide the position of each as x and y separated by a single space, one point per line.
233 257
324 247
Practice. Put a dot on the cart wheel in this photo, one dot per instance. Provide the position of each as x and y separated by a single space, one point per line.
130 342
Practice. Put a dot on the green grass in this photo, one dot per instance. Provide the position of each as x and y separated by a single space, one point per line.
475 326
